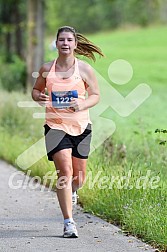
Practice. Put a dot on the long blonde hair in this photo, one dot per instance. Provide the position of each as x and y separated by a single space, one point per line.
84 46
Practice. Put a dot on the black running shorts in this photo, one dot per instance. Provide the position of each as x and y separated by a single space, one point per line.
57 140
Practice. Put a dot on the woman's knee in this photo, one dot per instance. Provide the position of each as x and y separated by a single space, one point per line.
64 177
63 163
64 171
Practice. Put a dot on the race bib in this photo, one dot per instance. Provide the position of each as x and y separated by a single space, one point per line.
62 99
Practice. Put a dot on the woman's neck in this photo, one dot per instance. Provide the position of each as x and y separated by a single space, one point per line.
65 62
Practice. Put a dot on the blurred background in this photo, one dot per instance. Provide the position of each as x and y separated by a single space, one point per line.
26 25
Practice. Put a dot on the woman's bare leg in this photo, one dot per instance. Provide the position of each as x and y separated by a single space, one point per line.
79 172
63 163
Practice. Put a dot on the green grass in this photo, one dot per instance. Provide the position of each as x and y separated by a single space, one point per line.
140 211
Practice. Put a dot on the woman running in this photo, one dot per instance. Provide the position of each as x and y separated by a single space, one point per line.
72 89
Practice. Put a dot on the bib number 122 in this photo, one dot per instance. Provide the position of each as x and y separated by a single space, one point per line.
62 100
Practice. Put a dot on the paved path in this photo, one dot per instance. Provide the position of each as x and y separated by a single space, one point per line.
30 221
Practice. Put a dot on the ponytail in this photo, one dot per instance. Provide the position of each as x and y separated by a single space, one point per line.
84 46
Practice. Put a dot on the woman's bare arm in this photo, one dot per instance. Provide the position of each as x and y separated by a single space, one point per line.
38 91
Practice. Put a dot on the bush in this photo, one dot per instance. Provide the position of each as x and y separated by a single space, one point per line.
13 75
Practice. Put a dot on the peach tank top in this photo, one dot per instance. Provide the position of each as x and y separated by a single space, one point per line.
58 115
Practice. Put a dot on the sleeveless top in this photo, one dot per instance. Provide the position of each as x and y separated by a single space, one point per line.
61 117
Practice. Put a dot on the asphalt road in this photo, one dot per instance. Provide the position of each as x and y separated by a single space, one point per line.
30 220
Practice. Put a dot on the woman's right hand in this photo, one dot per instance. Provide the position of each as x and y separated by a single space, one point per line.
43 99
40 97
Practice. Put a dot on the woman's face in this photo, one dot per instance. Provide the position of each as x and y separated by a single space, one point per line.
66 43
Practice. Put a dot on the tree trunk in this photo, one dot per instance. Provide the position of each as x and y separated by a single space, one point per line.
35 45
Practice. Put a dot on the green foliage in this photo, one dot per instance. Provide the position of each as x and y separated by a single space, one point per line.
19 120
91 16
86 16
12 28
140 211
13 75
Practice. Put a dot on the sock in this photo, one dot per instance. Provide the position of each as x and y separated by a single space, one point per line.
68 220
74 193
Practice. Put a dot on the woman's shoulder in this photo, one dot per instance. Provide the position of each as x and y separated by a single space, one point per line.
83 65
85 70
47 66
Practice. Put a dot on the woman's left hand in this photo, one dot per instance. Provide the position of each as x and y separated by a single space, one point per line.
77 104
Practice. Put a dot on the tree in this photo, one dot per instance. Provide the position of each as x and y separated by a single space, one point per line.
35 44
17 19
11 17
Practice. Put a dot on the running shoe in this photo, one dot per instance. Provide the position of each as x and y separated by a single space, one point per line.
70 230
